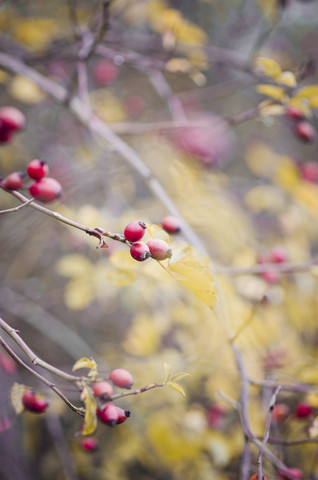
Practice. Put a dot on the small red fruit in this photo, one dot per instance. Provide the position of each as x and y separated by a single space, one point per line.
171 224
303 410
293 471
255 477
309 171
89 443
45 190
108 414
306 132
37 169
294 113
278 255
103 389
121 377
122 415
134 231
140 251
5 135
271 276
104 72
280 412
32 403
13 181
159 249
11 119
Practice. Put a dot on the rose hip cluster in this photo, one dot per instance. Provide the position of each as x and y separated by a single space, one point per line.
44 189
276 255
140 251
303 129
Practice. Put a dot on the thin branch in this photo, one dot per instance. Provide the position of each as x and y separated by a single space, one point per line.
293 387
139 390
19 207
285 267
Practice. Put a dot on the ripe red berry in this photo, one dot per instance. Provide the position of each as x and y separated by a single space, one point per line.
45 190
11 119
108 414
306 132
121 377
89 443
5 134
293 471
13 181
37 169
255 477
104 72
280 412
294 113
122 415
103 389
309 171
303 410
32 403
134 231
140 251
271 276
171 224
159 249
278 255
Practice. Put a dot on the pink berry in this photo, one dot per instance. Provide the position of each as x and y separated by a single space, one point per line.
280 412
89 443
5 135
134 231
103 389
303 410
171 224
294 113
13 181
121 377
32 403
45 190
37 169
159 249
271 276
122 415
278 255
293 471
108 414
105 72
306 132
309 171
11 119
140 251
215 416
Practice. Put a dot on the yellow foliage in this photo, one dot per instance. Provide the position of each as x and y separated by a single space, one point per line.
261 160
286 174
107 106
85 362
264 197
287 78
277 93
25 90
90 419
268 66
16 394
36 33
144 336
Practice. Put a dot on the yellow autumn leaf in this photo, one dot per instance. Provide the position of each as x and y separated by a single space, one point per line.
268 67
168 371
85 362
143 337
264 197
154 231
286 174
267 110
192 270
24 90
178 65
261 160
307 92
73 266
121 278
79 293
179 376
176 387
303 104
90 419
16 394
35 33
277 93
313 102
287 78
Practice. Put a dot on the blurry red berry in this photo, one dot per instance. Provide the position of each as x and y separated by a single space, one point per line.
5 134
215 416
271 276
11 119
105 72
108 414
159 249
309 171
293 471
294 113
306 132
103 389
140 251
134 231
45 190
13 181
122 415
278 255
303 410
255 477
121 377
7 364
280 412
37 169
171 224
32 403
89 443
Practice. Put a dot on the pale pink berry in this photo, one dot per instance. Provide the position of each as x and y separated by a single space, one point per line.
121 377
171 224
103 389
140 251
159 249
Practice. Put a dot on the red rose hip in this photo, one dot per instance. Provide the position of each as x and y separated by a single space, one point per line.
171 224
89 444
134 231
306 132
108 414
294 113
122 415
293 471
32 403
121 377
159 249
103 389
140 251
46 190
37 169
303 410
11 119
13 181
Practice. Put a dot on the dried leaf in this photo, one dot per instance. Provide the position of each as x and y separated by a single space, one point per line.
85 362
307 92
272 91
90 419
17 392
268 67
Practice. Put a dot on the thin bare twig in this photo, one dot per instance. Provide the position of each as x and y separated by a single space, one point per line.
19 207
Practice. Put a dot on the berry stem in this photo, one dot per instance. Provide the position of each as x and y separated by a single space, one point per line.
138 390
